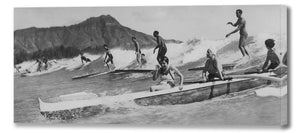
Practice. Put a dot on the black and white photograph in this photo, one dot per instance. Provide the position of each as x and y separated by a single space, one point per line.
151 65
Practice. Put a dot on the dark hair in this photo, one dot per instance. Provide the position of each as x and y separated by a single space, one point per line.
105 45
209 51
165 58
155 32
133 37
240 11
143 54
270 43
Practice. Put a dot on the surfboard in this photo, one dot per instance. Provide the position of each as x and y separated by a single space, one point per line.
85 75
229 66
114 72
133 70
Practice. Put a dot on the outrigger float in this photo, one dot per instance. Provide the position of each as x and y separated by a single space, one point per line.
85 104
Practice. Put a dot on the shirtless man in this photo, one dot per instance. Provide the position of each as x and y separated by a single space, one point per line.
241 26
84 59
108 57
272 60
137 50
164 72
212 67
162 48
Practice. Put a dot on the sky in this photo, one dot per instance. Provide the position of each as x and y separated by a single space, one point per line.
173 22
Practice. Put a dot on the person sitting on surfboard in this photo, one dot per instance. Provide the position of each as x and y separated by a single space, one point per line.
137 50
272 60
83 58
241 26
162 48
108 57
212 67
164 72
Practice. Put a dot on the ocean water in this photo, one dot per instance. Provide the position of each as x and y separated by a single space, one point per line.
261 106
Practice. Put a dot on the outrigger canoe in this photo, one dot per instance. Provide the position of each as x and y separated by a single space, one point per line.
78 105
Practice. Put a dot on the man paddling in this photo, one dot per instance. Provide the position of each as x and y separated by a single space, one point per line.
164 72
241 26
84 59
161 46
137 50
108 57
212 67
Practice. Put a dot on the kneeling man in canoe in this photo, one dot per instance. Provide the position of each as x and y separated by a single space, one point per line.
212 67
164 72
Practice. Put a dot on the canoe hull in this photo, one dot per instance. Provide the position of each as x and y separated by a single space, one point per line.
198 94
68 108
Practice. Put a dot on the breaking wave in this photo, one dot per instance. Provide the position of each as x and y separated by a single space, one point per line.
180 54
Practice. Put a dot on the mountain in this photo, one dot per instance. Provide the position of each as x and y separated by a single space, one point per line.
92 33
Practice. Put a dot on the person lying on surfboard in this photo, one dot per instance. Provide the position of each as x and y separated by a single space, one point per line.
84 59
241 26
108 57
161 46
137 50
212 67
164 72
272 60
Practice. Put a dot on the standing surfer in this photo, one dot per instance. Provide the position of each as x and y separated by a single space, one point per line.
137 50
241 26
108 57
162 48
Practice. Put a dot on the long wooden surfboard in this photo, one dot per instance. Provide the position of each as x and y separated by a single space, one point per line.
113 71
224 66
85 75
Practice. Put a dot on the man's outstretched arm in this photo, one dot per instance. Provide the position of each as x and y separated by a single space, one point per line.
236 30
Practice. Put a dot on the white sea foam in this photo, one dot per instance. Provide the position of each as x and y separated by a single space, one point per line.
272 91
54 65
179 54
